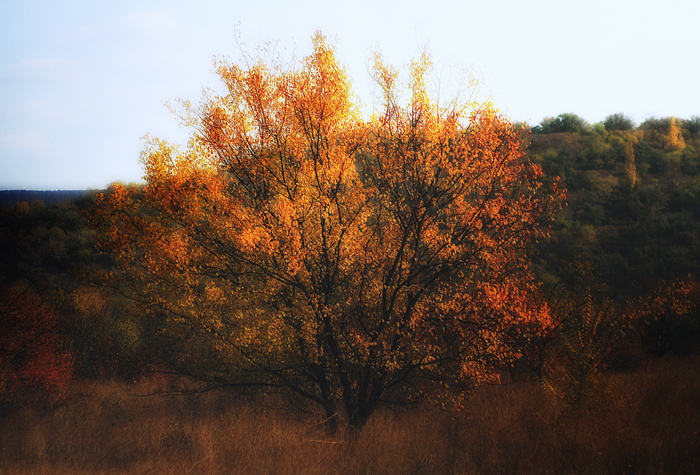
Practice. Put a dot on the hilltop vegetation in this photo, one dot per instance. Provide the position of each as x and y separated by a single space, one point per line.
633 197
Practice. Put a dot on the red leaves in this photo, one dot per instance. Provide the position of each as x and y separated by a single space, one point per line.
33 357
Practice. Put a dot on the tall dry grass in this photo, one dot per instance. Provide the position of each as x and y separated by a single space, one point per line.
645 422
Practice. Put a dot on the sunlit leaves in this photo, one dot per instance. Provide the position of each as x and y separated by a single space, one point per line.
351 261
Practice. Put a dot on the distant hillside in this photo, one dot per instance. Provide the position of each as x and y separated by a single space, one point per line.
9 198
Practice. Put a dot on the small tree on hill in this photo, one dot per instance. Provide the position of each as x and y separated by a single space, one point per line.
618 121
568 122
350 262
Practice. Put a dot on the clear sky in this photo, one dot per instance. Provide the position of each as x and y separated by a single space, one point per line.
81 81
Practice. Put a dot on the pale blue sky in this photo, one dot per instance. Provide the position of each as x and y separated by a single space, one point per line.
82 81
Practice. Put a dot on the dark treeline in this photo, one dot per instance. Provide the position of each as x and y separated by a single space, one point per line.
10 198
620 269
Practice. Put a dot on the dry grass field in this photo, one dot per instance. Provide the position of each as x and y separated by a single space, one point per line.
645 422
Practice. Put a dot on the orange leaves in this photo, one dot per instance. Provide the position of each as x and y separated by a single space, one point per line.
340 256
679 298
321 94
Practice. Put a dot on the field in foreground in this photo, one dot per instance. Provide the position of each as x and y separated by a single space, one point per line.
647 421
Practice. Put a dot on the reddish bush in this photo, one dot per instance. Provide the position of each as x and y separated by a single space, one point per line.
34 358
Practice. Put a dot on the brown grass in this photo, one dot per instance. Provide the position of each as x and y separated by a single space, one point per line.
646 422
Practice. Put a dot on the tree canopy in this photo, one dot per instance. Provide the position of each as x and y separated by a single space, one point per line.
568 122
352 262
618 121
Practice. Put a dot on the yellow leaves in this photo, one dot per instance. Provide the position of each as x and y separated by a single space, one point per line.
158 159
673 139
288 234
164 162
253 239
174 249
386 77
324 88
421 104
213 293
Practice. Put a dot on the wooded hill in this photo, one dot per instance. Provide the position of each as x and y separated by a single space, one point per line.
633 197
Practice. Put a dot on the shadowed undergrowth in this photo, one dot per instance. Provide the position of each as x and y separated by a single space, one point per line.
644 422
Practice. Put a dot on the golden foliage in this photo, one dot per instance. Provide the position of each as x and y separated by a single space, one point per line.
352 261
673 139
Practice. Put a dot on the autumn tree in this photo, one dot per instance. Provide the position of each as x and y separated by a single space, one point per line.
352 262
